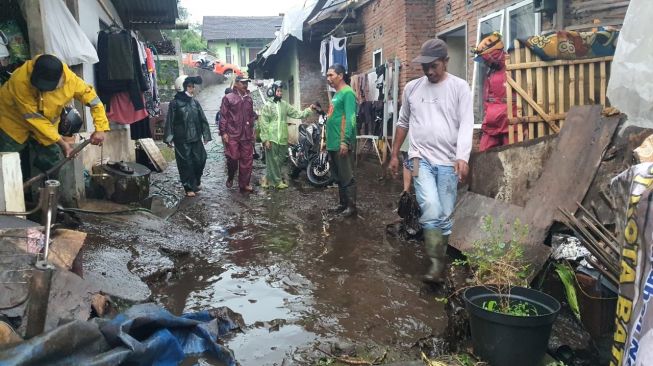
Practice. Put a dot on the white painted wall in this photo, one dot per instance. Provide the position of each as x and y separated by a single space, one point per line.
90 14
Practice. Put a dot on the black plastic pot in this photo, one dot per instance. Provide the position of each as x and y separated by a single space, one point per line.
509 340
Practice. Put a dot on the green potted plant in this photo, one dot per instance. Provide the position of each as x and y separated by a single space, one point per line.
510 323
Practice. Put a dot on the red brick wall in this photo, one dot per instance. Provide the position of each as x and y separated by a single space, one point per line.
398 27
312 84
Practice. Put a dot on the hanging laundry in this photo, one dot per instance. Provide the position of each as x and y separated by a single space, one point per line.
323 56
149 60
122 109
338 52
118 52
372 91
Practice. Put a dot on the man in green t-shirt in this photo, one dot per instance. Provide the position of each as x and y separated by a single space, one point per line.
341 139
273 124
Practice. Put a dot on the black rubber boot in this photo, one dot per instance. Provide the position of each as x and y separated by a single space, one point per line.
350 195
342 202
436 248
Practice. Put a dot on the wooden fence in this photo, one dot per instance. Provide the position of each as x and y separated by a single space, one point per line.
545 90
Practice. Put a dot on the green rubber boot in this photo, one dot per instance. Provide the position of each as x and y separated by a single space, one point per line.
436 248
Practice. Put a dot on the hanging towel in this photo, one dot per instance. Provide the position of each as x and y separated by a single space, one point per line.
323 56
338 51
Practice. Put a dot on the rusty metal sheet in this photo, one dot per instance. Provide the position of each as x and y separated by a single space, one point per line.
570 170
469 215
70 299
565 179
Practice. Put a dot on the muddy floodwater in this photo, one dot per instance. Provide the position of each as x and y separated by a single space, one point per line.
300 278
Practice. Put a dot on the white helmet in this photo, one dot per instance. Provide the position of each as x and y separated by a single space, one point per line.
179 83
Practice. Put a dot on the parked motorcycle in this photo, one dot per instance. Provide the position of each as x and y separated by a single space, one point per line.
204 64
310 152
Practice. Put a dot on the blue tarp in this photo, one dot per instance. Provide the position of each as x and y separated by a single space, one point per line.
146 334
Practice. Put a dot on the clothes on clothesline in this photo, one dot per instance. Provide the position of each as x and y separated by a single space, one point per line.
126 69
370 118
323 56
338 51
122 109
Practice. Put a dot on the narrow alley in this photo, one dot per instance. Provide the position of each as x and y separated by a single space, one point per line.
299 278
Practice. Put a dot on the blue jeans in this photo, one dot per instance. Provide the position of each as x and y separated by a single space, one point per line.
436 187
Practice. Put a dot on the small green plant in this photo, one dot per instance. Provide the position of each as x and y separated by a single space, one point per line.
497 261
519 308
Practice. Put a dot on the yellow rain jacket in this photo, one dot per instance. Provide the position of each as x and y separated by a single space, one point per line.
25 111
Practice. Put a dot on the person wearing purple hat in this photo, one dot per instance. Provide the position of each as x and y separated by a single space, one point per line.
31 102
437 115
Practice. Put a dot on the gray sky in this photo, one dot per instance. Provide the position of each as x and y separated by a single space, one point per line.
200 8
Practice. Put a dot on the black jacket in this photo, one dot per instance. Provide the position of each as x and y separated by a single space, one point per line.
186 121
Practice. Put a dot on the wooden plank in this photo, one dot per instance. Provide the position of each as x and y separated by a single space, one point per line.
154 154
604 83
65 246
572 85
535 64
561 92
552 94
581 85
539 87
530 101
509 91
529 90
536 119
518 80
592 86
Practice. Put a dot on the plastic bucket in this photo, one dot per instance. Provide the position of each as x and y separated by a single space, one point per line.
509 340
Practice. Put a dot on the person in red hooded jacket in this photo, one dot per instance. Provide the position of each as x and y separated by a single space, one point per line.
495 125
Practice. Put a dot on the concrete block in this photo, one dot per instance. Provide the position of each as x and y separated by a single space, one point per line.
71 176
11 183
117 146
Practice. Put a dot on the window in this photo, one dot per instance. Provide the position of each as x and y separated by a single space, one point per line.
243 56
521 22
377 58
227 55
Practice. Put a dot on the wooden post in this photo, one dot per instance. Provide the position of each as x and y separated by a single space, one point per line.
529 89
561 92
518 80
32 10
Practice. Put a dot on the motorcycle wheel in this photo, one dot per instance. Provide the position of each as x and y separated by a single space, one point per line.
318 175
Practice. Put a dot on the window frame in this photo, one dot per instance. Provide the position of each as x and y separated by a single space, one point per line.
379 52
504 13
227 55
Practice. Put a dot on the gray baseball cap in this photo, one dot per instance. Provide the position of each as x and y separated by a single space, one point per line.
432 50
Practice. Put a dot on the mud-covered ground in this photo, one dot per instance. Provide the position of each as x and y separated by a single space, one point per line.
307 285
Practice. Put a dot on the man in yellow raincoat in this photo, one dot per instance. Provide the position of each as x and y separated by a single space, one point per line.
31 102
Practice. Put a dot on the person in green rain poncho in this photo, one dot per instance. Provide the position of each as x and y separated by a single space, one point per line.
273 127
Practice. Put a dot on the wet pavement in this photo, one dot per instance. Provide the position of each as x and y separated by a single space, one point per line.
300 278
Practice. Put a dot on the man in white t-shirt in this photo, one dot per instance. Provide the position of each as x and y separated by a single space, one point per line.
437 115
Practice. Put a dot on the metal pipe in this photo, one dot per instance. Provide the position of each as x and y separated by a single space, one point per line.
51 196
57 166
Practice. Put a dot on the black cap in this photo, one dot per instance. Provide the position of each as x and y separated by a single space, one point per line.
47 73
432 50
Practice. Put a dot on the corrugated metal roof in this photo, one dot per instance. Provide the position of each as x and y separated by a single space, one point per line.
147 13
219 28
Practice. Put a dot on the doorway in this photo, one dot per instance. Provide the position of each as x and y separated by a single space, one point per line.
456 39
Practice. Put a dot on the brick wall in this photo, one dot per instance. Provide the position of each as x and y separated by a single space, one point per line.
312 84
398 27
